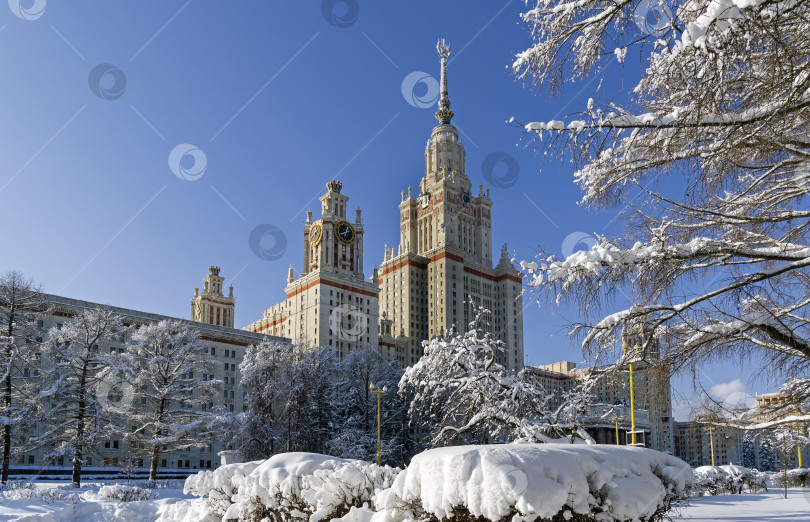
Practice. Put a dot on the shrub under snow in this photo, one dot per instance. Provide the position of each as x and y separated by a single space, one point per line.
29 491
727 479
220 485
796 478
290 485
119 492
535 482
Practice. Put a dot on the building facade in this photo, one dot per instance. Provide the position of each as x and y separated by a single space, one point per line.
442 269
227 345
696 442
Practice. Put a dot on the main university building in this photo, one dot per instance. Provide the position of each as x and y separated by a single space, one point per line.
430 285
433 282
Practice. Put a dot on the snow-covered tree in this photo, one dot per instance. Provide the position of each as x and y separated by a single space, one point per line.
717 259
748 459
767 453
355 433
461 393
561 416
20 301
173 375
304 399
308 410
288 400
76 421
254 433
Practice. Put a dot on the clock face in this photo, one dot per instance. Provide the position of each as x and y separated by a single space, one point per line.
345 232
465 199
315 233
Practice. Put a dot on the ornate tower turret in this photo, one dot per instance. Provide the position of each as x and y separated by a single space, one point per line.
212 306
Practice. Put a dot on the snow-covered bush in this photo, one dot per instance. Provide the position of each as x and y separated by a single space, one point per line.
536 482
727 479
119 492
796 478
158 484
29 491
755 480
290 485
220 485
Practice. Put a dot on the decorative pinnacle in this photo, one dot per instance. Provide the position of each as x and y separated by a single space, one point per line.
444 114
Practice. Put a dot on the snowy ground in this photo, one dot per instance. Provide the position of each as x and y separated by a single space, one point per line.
766 507
82 505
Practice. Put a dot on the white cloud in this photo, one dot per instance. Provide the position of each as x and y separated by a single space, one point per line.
732 394
681 410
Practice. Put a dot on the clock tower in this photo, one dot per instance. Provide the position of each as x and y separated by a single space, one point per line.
330 303
332 241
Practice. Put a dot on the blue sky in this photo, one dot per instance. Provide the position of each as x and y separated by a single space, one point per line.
278 98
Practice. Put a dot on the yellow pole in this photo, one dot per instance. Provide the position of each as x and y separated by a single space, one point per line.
617 429
632 399
711 444
799 445
378 392
632 408
378 429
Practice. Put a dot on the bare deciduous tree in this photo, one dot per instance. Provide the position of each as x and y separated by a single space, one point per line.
717 257
171 371
76 421
20 301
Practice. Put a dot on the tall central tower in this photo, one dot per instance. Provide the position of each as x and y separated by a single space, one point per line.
444 259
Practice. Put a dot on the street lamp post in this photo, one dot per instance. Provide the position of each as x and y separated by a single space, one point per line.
378 392
799 442
711 444
632 398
